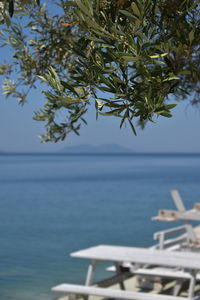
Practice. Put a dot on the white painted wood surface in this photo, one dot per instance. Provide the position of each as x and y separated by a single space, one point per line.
141 255
165 272
178 201
106 292
173 215
164 243
181 213
159 272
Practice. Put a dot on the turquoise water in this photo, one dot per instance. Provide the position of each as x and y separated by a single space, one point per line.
52 205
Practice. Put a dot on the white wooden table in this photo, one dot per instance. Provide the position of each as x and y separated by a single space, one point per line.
142 256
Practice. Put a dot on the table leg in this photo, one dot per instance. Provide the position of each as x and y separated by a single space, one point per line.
90 273
192 285
118 269
178 286
72 297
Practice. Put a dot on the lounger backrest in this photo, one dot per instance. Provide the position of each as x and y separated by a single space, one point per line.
181 208
178 200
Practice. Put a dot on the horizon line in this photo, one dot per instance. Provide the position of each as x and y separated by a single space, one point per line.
93 153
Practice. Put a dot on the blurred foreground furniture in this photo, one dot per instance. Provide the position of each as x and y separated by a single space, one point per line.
176 258
142 256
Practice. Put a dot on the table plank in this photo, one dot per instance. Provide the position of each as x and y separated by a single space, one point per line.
106 292
141 255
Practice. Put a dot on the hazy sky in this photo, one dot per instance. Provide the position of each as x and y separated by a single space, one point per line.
20 133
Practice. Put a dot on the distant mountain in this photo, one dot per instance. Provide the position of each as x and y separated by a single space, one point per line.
105 148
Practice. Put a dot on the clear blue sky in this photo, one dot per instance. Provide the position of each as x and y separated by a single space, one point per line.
19 133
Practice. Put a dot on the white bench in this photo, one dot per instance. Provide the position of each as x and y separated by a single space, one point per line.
180 276
157 272
74 290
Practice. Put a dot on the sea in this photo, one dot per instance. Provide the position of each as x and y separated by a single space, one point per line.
54 204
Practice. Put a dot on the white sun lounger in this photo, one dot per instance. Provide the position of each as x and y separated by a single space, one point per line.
181 214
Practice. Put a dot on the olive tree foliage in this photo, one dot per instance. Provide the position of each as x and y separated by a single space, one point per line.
7 8
129 58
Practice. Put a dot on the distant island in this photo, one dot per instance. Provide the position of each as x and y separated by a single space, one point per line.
104 148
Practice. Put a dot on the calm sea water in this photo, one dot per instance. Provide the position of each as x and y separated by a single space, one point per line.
51 205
